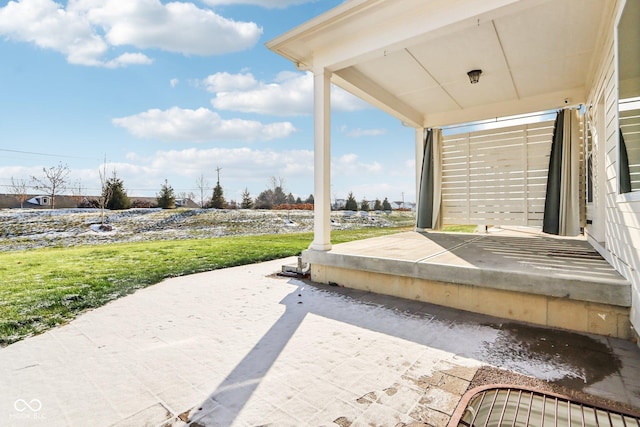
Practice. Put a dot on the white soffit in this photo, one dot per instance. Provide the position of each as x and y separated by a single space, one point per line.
399 56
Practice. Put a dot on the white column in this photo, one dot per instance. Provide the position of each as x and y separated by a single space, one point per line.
419 157
322 160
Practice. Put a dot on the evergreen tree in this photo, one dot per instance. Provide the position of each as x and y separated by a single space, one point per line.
386 206
377 205
217 200
279 197
272 196
351 204
290 199
364 205
298 201
166 197
115 194
264 200
247 202
309 199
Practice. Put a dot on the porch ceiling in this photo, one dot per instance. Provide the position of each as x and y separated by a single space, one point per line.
411 57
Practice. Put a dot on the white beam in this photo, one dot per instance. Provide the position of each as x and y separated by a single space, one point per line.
547 101
322 160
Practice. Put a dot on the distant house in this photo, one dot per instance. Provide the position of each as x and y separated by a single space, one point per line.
186 203
40 201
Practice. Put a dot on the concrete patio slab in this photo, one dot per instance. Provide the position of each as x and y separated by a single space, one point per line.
242 347
514 259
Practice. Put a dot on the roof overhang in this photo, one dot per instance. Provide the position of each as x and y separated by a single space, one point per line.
410 58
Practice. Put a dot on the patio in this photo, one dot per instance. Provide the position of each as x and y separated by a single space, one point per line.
512 272
242 347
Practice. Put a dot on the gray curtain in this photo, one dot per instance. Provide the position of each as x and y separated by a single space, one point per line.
562 205
424 215
551 219
625 174
430 193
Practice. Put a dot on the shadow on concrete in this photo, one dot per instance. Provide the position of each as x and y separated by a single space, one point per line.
569 359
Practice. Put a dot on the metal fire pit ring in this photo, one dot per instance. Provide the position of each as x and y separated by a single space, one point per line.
516 406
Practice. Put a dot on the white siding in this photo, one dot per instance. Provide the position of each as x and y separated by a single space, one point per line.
622 213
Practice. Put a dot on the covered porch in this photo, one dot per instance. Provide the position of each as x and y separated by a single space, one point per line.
513 272
454 71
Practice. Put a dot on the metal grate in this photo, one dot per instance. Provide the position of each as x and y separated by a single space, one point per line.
517 407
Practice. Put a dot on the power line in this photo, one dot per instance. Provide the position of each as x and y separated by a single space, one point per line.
45 154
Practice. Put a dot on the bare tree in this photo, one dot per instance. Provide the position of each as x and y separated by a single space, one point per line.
105 190
203 187
53 181
276 183
19 189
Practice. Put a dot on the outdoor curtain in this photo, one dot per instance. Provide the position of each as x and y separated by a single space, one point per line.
625 174
562 203
430 196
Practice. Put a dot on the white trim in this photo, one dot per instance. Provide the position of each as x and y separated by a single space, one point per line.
616 77
599 247
322 161
634 196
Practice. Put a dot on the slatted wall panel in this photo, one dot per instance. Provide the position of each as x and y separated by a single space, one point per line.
496 177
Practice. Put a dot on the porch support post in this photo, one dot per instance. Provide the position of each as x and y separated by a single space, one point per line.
419 159
322 160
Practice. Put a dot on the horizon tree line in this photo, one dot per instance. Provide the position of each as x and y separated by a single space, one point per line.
113 195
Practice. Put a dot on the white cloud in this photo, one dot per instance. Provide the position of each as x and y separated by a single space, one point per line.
240 168
350 165
223 82
47 25
357 133
129 59
290 94
174 82
177 124
269 4
237 162
175 26
86 30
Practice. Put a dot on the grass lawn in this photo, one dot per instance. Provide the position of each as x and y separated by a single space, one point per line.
42 288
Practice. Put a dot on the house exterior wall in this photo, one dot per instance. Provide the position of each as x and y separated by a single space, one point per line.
617 236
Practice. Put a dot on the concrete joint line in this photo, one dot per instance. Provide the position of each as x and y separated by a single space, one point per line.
459 245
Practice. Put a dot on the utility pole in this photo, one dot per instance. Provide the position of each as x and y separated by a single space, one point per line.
402 199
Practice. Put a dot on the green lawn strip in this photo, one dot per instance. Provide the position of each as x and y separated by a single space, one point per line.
43 288
460 228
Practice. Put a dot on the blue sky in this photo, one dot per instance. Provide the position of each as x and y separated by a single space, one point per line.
173 90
